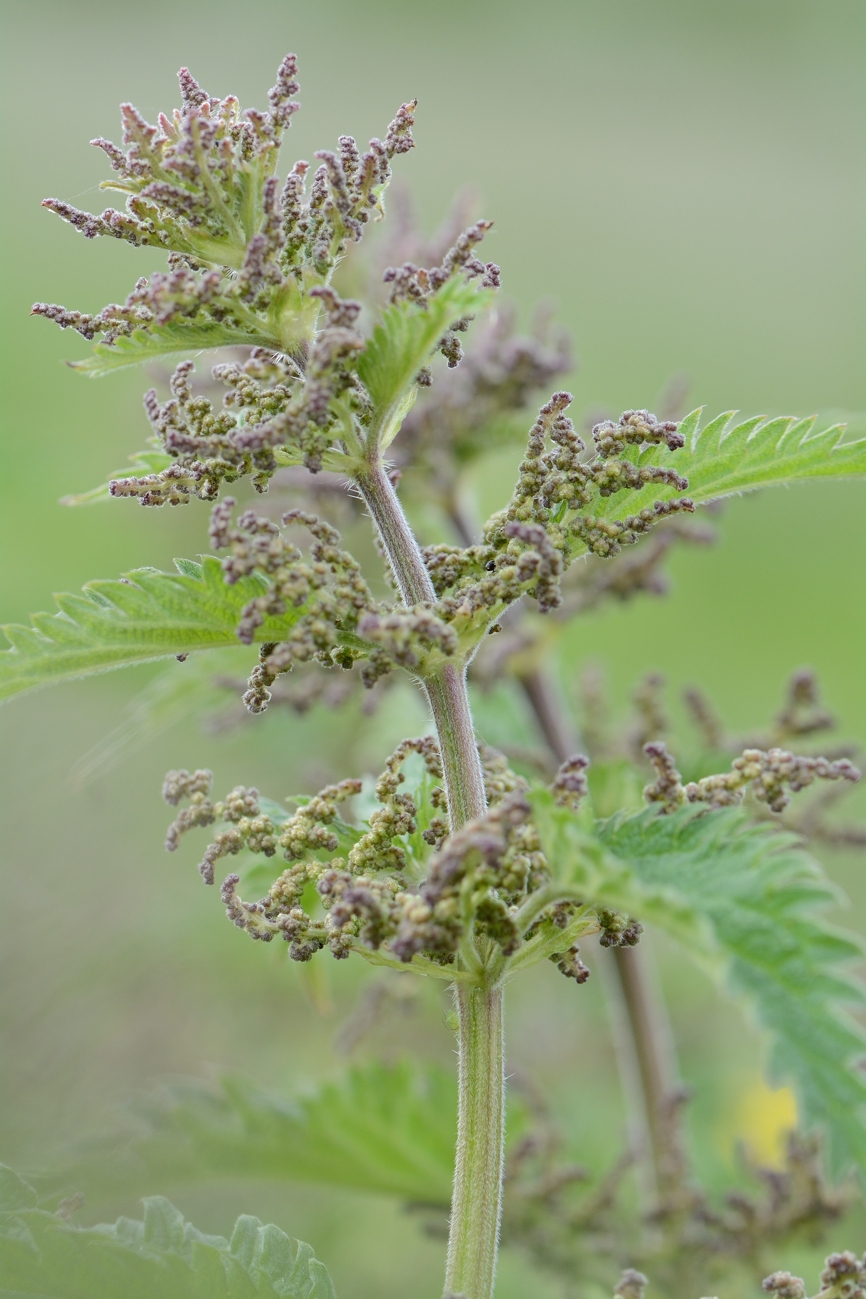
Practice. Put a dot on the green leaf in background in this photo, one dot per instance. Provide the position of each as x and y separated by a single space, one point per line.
379 1128
719 460
162 1257
402 343
142 616
756 897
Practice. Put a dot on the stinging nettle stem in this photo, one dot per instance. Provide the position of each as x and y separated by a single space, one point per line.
476 1206
397 536
464 779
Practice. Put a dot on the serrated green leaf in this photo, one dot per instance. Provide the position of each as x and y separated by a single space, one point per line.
758 896
384 1129
159 341
403 342
579 857
45 1257
145 615
723 459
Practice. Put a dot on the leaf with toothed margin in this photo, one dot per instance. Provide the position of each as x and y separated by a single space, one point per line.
43 1256
403 342
143 616
159 341
755 897
724 459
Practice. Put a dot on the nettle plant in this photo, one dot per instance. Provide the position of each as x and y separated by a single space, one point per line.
466 871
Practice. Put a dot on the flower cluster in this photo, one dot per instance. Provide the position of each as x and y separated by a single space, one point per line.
527 547
250 264
402 884
327 592
768 775
336 619
555 484
244 251
843 1277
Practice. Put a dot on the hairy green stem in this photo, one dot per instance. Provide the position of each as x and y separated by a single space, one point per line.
645 1053
464 778
397 537
476 1204
477 1199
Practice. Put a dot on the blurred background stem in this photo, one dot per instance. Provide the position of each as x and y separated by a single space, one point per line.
645 1052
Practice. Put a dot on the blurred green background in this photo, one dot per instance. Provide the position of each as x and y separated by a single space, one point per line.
685 181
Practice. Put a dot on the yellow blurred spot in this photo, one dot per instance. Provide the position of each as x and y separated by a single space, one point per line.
761 1119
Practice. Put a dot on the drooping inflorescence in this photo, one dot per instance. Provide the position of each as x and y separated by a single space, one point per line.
767 775
402 884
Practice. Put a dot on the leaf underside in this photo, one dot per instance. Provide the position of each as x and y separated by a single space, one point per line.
747 896
143 616
45 1257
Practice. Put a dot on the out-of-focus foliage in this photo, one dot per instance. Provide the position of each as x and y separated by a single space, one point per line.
724 886
387 1130
44 1255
